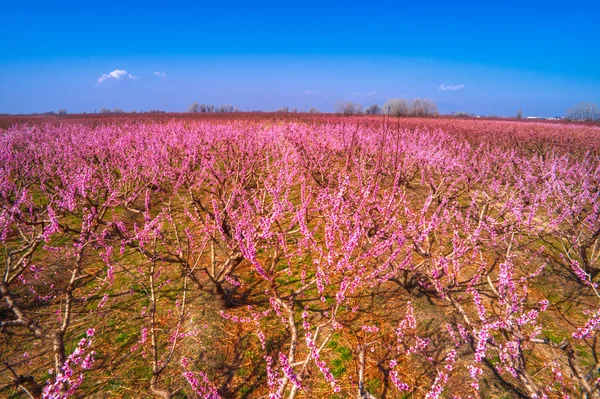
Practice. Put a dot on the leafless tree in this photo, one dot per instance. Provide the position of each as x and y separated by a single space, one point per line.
348 108
225 108
400 107
195 107
395 107
420 107
583 112
373 110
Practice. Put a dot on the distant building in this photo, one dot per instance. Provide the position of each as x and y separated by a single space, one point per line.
543 118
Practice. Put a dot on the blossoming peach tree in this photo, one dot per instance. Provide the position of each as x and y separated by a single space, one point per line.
335 257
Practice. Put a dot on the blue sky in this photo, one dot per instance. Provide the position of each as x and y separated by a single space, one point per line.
541 57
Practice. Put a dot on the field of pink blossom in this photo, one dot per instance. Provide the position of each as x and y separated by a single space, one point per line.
299 257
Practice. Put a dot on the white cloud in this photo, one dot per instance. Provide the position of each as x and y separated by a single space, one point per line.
117 74
445 87
368 94
160 74
315 92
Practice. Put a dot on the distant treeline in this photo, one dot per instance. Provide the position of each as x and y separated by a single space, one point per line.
206 108
398 107
393 107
